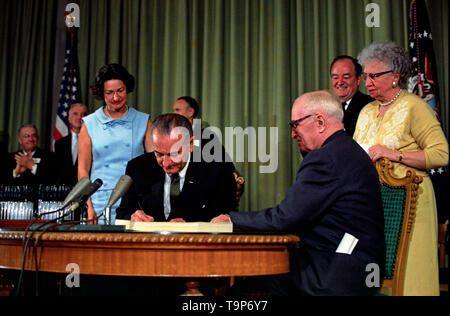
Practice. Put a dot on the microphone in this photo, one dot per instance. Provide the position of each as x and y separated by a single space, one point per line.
121 187
76 191
86 193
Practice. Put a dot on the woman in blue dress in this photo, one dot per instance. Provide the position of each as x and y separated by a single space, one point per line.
111 136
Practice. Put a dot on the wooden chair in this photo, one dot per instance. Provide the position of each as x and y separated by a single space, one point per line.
399 203
239 188
221 291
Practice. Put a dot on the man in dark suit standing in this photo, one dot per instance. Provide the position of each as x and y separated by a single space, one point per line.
4 137
31 165
66 148
334 206
188 107
345 74
203 137
169 186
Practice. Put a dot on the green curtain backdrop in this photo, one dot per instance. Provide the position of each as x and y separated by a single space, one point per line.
246 61
26 63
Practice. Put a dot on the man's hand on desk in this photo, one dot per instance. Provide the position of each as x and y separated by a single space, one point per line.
177 220
224 218
140 216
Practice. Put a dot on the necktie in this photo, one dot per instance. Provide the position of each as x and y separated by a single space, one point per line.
174 191
344 104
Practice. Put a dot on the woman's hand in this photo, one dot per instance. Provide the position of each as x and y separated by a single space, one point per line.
378 151
92 216
415 159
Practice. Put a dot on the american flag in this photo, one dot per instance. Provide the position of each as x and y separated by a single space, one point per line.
69 90
424 79
424 83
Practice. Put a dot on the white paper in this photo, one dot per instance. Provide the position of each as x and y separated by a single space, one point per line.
347 244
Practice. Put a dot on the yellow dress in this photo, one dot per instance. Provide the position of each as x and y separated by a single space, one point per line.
410 125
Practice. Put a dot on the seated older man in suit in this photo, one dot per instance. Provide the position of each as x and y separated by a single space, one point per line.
334 206
169 186
66 148
31 165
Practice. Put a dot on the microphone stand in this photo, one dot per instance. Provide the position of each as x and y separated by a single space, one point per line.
108 216
82 210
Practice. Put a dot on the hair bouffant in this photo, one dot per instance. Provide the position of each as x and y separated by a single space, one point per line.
111 72
393 56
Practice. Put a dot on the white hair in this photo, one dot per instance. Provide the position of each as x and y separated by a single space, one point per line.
325 102
390 54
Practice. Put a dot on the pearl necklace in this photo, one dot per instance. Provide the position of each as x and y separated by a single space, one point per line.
392 100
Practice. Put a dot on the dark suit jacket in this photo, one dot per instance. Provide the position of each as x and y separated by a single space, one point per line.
336 191
358 101
207 145
45 173
209 190
67 171
3 170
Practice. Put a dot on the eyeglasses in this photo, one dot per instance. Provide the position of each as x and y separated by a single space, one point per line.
295 123
111 93
375 76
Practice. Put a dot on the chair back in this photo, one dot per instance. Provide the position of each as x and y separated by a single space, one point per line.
239 188
399 197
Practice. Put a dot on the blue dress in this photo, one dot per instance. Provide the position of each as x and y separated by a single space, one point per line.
114 143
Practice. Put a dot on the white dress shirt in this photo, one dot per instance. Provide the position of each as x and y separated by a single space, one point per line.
347 103
74 147
167 182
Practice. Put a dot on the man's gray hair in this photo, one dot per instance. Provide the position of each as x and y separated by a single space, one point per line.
394 57
324 101
165 123
28 125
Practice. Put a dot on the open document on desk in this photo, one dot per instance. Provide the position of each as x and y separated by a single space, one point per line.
190 227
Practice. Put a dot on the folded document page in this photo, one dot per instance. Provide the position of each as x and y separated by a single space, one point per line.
347 244
191 227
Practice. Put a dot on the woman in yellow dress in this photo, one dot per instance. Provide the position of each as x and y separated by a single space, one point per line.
402 127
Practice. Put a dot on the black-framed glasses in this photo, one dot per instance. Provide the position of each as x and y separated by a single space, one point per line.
293 124
376 75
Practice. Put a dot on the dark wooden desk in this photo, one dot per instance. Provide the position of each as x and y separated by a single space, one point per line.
148 254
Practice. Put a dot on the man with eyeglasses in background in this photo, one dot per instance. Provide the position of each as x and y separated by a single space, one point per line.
345 74
334 206
31 165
